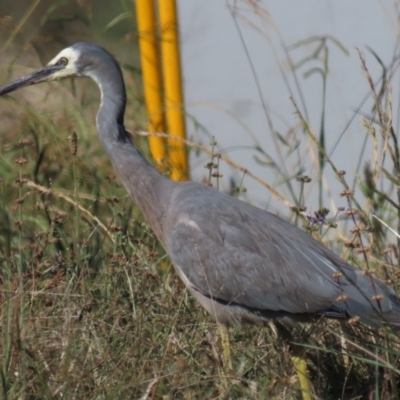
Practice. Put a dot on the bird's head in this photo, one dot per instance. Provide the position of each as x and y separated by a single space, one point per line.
77 60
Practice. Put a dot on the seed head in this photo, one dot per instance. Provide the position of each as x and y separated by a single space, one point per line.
74 143
21 161
347 193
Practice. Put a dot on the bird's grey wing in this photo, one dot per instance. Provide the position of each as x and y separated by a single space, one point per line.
252 258
242 265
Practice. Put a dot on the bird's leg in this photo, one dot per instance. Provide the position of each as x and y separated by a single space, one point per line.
226 352
226 347
300 365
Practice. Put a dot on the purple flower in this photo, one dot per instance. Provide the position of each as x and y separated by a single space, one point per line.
311 218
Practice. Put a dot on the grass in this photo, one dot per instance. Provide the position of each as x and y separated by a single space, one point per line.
91 307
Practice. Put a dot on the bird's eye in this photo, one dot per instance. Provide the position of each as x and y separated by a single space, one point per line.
62 61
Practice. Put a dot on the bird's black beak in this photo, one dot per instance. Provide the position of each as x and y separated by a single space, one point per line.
43 75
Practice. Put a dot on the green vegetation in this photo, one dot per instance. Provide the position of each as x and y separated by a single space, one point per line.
90 306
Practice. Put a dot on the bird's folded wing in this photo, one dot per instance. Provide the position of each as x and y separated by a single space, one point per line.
243 264
247 256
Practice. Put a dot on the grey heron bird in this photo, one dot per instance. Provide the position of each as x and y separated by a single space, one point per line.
241 263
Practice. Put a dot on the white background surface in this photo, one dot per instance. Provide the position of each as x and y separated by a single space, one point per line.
221 91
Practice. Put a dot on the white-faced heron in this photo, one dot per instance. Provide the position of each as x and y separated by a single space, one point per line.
241 263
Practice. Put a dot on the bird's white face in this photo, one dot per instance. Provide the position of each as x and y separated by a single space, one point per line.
68 58
62 66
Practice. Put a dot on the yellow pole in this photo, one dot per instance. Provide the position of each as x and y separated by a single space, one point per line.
173 88
152 78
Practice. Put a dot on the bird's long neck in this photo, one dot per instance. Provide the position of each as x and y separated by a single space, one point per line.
148 188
